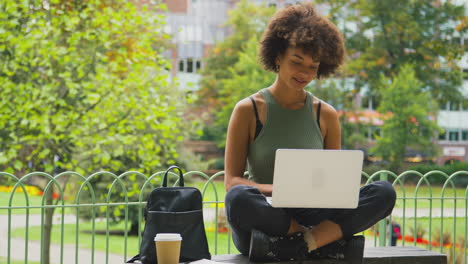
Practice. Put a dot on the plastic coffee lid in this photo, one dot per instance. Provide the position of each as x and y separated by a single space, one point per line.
167 237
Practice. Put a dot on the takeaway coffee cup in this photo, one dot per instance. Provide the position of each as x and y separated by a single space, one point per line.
168 247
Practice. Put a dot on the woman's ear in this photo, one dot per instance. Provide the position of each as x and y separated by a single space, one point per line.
278 59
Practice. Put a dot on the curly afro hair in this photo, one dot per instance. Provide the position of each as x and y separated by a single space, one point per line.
300 26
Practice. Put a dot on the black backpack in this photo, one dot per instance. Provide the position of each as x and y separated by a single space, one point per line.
174 210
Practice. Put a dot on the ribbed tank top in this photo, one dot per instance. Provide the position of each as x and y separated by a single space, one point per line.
283 128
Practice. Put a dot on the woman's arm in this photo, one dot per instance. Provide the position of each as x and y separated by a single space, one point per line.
237 142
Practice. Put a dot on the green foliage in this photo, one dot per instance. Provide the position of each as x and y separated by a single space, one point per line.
384 35
409 123
85 87
449 169
248 78
224 67
338 93
332 91
374 167
86 84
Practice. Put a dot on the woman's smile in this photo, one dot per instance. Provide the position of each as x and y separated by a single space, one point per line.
300 81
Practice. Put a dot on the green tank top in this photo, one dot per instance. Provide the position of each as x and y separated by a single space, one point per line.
283 128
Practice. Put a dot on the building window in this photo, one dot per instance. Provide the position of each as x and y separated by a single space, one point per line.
443 135
464 135
189 65
453 135
464 105
181 66
454 106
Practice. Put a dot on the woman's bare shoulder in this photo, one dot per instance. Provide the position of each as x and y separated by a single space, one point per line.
326 109
245 106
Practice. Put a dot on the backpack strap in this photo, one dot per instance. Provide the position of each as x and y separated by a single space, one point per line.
181 176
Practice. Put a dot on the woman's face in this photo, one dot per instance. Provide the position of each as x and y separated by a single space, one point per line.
296 68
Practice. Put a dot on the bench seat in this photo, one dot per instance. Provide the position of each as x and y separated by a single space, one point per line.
372 255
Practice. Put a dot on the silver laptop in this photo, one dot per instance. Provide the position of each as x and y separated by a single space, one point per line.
317 178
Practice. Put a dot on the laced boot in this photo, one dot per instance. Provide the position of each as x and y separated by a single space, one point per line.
350 250
277 248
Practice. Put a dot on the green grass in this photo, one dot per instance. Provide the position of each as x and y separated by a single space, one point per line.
116 242
4 259
19 199
424 192
223 247
210 191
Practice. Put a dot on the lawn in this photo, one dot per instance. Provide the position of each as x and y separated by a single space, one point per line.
4 259
210 191
408 194
19 199
116 242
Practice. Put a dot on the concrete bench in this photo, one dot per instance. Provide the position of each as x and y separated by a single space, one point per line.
372 255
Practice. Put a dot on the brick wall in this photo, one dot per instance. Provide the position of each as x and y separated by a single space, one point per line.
174 6
177 6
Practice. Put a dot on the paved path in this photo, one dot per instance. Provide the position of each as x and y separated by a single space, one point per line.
18 244
425 212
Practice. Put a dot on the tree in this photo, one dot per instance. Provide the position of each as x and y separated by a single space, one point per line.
410 124
85 87
248 78
340 94
246 21
384 35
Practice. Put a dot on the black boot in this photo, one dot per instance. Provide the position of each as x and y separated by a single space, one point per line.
350 250
280 248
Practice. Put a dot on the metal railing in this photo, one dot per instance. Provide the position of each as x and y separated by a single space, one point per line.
432 216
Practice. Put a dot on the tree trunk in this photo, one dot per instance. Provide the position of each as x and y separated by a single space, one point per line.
49 213
48 218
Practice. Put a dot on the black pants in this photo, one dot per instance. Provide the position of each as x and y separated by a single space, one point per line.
247 209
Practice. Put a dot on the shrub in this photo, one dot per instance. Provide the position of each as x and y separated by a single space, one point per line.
449 169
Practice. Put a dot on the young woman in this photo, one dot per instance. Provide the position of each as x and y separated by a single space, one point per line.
299 45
